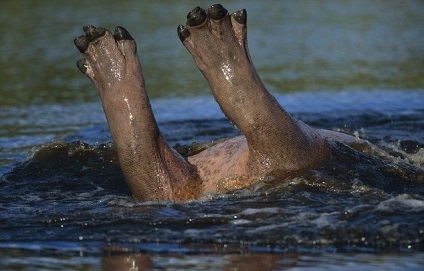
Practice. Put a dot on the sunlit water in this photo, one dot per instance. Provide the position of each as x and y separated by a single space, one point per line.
65 205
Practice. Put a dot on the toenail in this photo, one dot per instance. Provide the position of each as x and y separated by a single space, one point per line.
122 34
196 17
240 16
81 43
217 12
81 64
94 33
183 32
88 28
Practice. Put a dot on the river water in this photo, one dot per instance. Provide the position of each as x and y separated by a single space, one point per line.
356 67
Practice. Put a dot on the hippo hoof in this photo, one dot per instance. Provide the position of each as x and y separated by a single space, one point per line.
196 16
93 33
105 54
183 32
240 16
82 65
122 34
81 43
217 12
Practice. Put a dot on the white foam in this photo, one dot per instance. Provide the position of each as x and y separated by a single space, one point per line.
403 201
252 211
326 219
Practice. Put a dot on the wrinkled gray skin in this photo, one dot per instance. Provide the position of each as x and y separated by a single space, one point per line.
273 142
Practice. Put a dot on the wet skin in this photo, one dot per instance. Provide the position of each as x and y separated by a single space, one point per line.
273 143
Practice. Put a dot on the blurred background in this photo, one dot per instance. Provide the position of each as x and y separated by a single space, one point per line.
295 45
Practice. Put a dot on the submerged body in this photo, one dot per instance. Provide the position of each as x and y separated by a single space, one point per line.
273 142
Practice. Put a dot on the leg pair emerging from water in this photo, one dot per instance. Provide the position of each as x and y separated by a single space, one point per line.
273 143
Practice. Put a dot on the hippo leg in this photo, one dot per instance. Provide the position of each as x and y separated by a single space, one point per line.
276 141
153 170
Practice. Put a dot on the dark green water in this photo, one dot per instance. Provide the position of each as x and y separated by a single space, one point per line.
356 66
